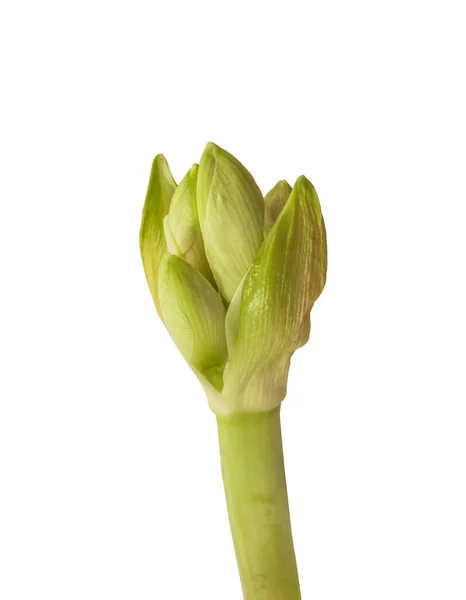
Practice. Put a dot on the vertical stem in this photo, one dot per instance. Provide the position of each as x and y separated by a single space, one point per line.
255 488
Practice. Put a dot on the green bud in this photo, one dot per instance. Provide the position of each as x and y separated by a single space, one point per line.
274 202
151 235
279 290
181 225
214 237
231 215
194 315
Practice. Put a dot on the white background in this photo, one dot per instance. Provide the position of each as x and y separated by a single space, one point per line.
109 467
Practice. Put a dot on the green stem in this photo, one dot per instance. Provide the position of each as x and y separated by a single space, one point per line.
255 488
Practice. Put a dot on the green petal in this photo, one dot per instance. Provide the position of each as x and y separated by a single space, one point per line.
283 283
231 214
274 201
194 315
151 235
181 225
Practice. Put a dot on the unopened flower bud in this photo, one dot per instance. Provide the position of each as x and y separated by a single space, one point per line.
237 305
151 235
182 231
231 215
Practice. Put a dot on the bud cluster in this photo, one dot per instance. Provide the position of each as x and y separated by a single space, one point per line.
233 274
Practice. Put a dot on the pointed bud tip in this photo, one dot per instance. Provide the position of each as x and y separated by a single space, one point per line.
304 186
282 185
159 160
193 170
303 181
211 147
215 152
160 165
209 152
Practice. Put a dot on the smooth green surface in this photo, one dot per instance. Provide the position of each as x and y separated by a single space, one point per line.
244 274
255 488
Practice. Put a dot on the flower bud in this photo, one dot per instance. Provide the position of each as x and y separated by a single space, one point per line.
194 315
151 236
231 215
181 225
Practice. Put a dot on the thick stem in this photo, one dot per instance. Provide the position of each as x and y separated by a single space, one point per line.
255 488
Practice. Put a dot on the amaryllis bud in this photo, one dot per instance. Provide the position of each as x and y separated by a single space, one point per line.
237 305
231 215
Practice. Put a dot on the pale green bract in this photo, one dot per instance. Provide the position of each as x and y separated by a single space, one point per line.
151 236
234 275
